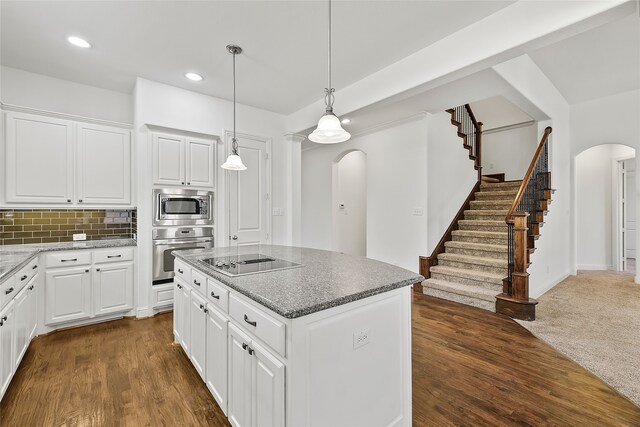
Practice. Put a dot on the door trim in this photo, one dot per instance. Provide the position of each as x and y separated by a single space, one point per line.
228 135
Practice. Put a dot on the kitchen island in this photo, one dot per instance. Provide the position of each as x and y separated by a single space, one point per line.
326 342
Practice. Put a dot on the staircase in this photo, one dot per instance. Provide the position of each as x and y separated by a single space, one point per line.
474 264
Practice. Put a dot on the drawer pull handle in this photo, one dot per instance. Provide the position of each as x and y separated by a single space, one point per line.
215 296
114 256
7 292
246 319
196 282
244 346
34 267
69 260
180 271
23 277
250 351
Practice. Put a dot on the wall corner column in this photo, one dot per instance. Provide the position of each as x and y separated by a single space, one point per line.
293 142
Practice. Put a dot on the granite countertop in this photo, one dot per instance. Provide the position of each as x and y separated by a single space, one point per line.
327 279
14 257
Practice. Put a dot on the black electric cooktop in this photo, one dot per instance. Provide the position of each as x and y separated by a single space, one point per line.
240 265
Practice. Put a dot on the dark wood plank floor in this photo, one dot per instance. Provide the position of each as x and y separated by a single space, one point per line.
471 367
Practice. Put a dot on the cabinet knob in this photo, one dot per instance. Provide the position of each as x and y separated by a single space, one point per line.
178 285
4 318
97 269
180 271
251 351
206 310
244 346
80 201
86 271
188 183
201 307
31 287
68 200
182 182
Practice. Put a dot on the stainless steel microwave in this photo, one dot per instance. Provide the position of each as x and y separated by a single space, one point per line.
182 207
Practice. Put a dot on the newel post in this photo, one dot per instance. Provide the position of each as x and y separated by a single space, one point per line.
520 277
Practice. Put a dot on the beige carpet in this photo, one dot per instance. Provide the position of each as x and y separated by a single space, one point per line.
594 318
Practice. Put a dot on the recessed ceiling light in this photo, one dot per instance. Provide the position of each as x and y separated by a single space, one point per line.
77 41
346 121
193 76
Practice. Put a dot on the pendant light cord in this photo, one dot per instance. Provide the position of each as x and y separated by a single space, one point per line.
329 97
234 142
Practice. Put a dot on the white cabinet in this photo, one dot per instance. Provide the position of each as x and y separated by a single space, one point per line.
21 326
216 365
178 318
185 303
113 288
42 154
67 295
39 159
183 161
32 308
104 165
256 383
7 347
198 331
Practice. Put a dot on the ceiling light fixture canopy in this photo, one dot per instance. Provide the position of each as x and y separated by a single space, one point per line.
329 130
234 162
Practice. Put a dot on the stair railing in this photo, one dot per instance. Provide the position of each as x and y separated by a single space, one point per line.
471 130
523 223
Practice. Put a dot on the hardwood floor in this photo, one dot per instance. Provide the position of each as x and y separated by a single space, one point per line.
471 367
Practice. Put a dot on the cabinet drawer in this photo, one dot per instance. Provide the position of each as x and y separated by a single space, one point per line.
163 295
113 255
27 272
68 259
182 271
198 282
7 291
253 319
218 295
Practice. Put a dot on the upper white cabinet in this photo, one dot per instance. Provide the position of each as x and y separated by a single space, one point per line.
104 165
42 154
183 161
39 159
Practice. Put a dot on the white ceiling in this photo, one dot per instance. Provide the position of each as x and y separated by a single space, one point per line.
597 63
282 69
497 112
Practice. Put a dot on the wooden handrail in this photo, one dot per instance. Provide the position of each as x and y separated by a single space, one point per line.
527 177
476 124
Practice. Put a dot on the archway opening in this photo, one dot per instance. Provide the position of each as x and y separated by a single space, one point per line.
349 211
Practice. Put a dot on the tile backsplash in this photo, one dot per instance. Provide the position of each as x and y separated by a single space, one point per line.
21 226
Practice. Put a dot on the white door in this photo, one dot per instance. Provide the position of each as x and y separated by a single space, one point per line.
198 331
168 160
249 194
216 372
21 325
185 308
239 404
200 162
39 159
67 295
630 214
113 288
104 165
32 307
6 347
268 388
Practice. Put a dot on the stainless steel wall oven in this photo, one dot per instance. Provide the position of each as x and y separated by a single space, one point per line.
166 240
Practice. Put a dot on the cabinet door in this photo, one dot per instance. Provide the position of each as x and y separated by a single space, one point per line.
6 347
21 325
177 311
216 372
168 160
200 162
67 295
268 388
32 307
113 288
185 297
198 331
104 165
39 159
239 371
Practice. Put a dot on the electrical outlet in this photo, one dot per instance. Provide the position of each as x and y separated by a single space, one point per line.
361 337
80 236
418 211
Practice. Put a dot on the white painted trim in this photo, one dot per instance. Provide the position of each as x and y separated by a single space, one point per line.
595 267
551 284
144 312
65 116
508 127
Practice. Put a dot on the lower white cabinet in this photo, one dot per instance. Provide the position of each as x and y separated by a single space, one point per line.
197 330
239 409
7 346
113 288
25 320
216 365
185 303
68 294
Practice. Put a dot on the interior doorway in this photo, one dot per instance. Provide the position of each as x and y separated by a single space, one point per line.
349 209
626 214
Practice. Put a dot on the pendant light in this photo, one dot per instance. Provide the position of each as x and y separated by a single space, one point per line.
234 162
329 130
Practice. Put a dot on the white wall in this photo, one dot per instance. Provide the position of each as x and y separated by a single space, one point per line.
509 151
170 107
350 204
396 184
595 197
451 176
42 92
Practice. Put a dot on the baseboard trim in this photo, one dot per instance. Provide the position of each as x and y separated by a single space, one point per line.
144 312
593 267
550 285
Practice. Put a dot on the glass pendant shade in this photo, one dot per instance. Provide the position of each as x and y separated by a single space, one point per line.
329 131
234 163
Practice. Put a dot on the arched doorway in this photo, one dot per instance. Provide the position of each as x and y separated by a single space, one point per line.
349 210
605 208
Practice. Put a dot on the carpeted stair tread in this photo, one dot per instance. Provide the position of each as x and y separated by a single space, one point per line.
483 222
470 259
497 186
459 289
502 194
476 246
476 233
500 204
482 276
